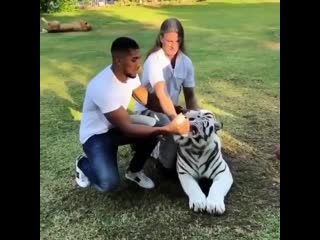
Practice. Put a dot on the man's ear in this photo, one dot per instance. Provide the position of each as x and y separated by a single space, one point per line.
118 60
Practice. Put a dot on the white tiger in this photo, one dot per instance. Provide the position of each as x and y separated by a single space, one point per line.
199 156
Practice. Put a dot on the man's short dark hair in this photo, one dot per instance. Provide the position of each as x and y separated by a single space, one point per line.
123 45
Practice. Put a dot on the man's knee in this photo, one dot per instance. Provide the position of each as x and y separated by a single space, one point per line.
161 119
108 184
143 120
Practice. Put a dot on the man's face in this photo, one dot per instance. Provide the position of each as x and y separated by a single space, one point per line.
170 43
131 63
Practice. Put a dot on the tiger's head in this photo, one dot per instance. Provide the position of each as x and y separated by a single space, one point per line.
85 26
203 127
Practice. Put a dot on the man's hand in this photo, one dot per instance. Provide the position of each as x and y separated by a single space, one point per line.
179 125
180 109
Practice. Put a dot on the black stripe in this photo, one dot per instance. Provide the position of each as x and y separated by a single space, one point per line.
184 159
210 130
216 157
197 138
221 171
192 156
190 164
194 151
183 168
202 152
182 173
189 142
205 154
211 157
208 166
215 170
199 154
208 115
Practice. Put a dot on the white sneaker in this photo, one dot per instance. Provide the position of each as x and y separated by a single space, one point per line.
81 179
140 178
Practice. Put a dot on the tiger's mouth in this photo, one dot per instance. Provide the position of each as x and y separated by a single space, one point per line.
194 129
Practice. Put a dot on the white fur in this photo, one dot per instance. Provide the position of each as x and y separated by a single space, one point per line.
197 199
218 190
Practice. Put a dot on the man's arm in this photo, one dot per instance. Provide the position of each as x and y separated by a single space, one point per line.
120 118
164 99
190 98
147 99
150 100
154 73
188 88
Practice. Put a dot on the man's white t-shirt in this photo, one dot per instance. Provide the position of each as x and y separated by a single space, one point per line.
158 67
105 93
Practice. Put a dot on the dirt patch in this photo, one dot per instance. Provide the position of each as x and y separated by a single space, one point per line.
272 45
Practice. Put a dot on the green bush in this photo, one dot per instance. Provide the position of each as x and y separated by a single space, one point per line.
49 6
44 6
67 5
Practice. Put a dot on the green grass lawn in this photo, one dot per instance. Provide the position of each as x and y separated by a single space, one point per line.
235 49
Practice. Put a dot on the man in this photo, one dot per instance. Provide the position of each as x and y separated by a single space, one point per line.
106 124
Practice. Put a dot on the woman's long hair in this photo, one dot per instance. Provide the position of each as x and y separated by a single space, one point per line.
169 25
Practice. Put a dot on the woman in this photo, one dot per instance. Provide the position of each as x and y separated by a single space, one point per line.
167 70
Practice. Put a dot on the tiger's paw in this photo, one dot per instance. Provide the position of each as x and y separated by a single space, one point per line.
198 203
215 206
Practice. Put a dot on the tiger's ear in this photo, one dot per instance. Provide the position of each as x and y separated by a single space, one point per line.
218 126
